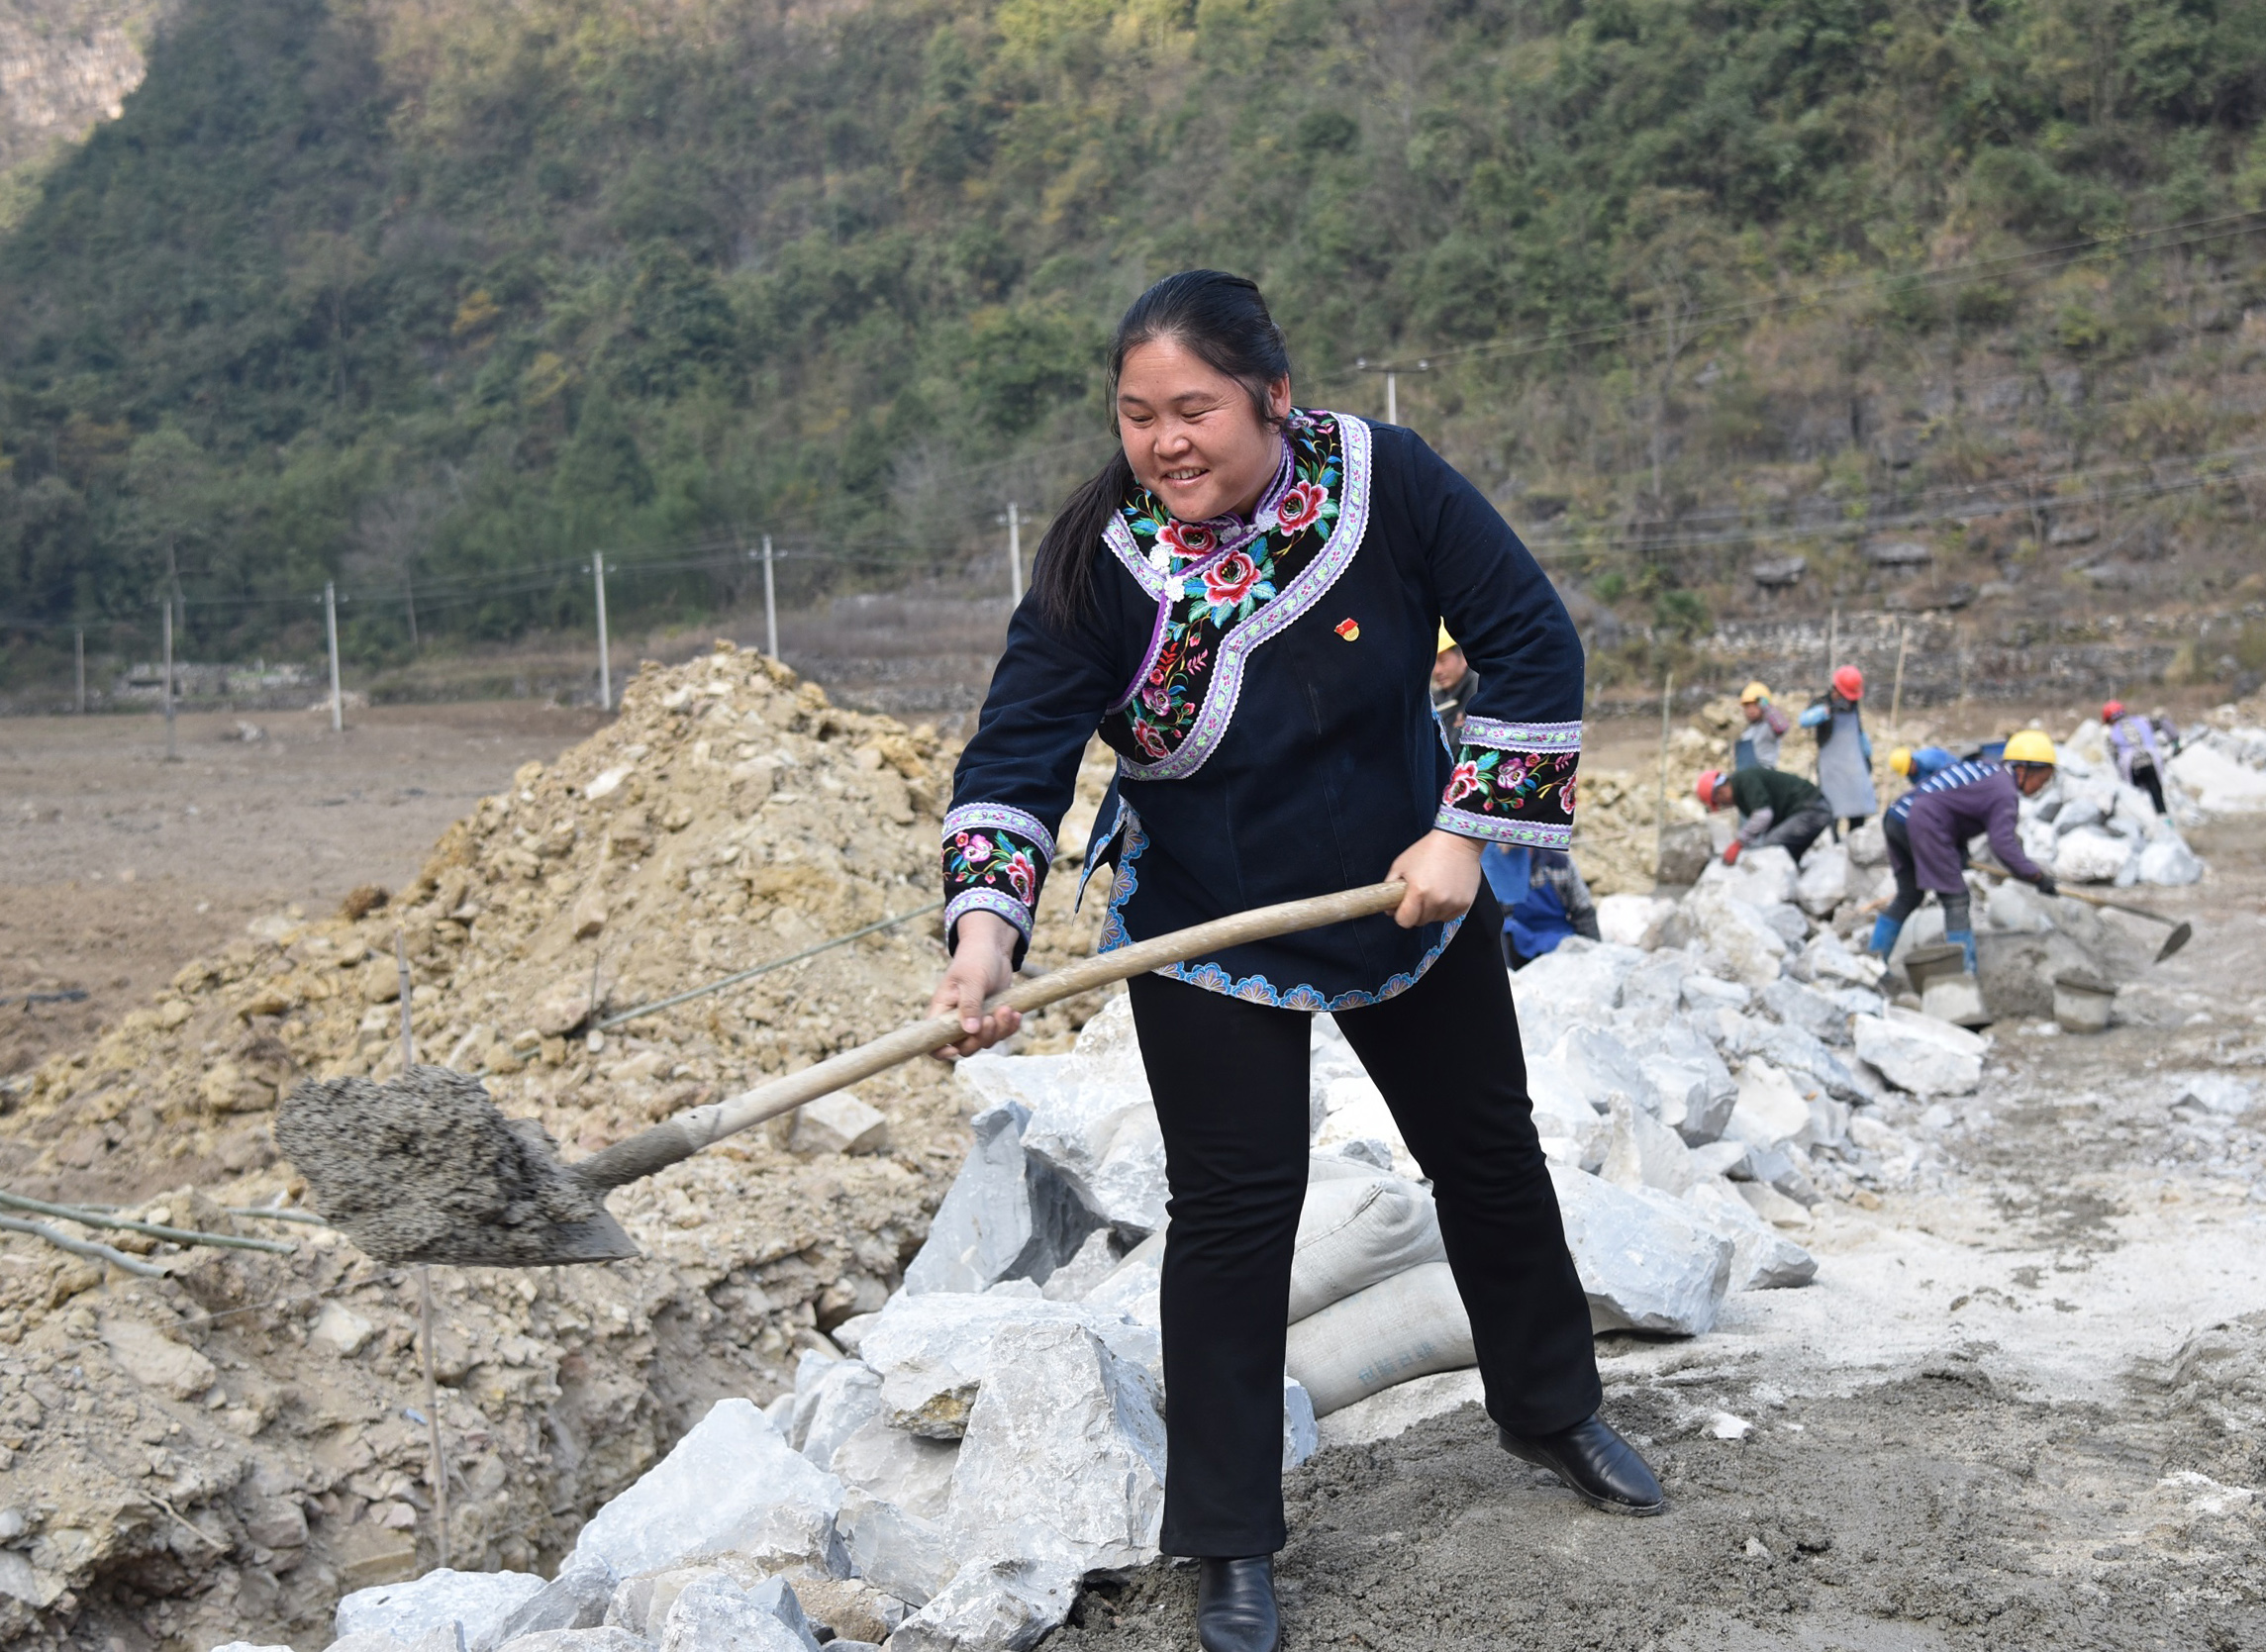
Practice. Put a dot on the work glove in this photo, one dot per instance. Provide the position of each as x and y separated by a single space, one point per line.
1730 852
2045 884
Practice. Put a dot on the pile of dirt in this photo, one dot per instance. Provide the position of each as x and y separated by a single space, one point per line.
223 1452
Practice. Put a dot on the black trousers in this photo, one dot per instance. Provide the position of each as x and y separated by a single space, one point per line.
1230 1084
2145 777
1958 911
1798 831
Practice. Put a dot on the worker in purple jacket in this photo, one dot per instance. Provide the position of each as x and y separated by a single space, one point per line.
1928 829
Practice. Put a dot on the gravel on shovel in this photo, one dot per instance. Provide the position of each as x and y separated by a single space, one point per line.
414 1167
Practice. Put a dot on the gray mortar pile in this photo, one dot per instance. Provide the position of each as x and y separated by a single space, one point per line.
411 1167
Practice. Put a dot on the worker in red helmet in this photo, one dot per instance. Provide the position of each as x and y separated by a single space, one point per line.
1777 809
1845 751
2141 745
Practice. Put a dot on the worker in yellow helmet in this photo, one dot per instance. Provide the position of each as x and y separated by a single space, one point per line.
1929 827
1453 684
1923 764
1766 725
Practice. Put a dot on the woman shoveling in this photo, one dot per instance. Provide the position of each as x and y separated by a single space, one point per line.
1246 603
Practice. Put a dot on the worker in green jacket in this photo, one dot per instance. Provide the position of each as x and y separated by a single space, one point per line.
1776 809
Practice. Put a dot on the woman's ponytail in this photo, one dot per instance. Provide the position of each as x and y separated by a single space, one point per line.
1062 573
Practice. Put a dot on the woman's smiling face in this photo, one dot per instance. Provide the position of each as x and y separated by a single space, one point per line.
1191 433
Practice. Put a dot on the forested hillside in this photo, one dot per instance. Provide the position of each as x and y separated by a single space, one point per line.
437 297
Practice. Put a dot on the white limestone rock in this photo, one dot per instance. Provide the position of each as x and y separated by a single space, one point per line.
1761 877
1646 1262
1097 1127
2169 863
1131 1288
839 1124
1570 1127
1762 1258
1577 972
1656 988
594 1638
1829 961
935 1352
575 1600
910 1557
1095 1261
1771 1106
1737 931
2219 1093
1302 1437
883 1462
479 1602
1703 992
1632 919
1823 883
2090 855
993 1605
846 1397
1868 844
1006 1215
732 1483
1644 1152
1064 1438
1601 1065
717 1614
1811 1011
1919 1053
1816 1067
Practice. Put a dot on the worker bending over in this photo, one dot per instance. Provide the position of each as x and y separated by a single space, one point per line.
1925 763
1542 897
2136 742
1777 809
1928 829
1766 725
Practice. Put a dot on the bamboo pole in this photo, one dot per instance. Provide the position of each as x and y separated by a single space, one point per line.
1660 812
155 1230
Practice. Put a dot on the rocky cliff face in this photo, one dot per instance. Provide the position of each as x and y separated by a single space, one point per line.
65 66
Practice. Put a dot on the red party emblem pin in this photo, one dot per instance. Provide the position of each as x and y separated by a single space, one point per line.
1350 630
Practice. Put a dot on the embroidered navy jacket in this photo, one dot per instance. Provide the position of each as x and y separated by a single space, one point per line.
1266 687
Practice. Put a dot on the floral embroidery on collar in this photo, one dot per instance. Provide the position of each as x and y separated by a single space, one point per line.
1208 610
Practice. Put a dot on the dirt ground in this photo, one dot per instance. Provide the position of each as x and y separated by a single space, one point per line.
2024 1405
117 867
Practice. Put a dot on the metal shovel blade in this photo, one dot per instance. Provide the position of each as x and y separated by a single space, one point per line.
427 1169
2178 938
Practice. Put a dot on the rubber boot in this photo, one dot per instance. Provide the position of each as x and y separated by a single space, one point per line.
1885 931
1964 939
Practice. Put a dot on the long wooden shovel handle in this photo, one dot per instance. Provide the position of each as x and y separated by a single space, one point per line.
2090 899
689 1132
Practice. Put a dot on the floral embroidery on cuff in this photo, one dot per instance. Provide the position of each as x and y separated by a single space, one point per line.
995 860
1514 792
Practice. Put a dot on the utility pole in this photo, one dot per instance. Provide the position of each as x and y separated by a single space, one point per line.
172 754
605 664
1392 372
1896 695
1660 812
1015 551
330 629
79 651
771 604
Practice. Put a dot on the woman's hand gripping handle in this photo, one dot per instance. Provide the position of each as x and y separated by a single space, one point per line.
983 965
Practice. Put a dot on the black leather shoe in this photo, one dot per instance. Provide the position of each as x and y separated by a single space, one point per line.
1235 1605
1595 1464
